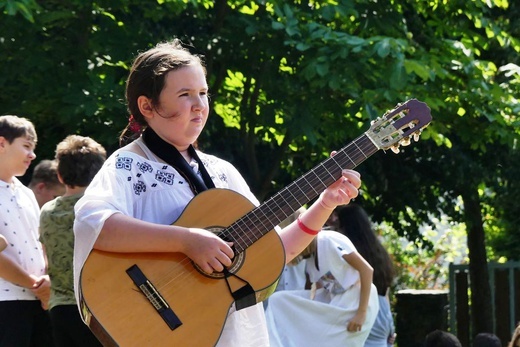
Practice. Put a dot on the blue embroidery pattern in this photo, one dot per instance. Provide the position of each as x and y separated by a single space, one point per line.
165 177
139 187
222 177
124 163
145 167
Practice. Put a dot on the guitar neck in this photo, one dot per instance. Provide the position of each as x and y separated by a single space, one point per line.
262 219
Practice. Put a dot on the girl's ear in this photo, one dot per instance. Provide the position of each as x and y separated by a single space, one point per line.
145 106
3 141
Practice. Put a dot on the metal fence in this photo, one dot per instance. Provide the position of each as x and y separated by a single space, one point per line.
505 295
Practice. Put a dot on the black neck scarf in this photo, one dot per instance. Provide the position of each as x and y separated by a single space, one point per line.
172 156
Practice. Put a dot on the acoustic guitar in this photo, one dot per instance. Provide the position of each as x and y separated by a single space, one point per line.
164 299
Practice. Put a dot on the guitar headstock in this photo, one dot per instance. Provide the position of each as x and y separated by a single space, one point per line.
396 126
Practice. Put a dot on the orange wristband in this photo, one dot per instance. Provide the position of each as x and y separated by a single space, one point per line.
306 229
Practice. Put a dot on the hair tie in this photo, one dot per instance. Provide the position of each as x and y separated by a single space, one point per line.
133 125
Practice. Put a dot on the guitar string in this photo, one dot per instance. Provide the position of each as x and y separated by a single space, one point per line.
247 229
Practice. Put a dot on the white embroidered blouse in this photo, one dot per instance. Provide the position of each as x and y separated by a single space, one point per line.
155 192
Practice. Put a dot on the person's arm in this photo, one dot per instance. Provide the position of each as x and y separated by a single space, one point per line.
366 275
14 273
339 193
121 233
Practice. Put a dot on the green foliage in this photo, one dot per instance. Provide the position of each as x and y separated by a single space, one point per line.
24 7
423 263
502 215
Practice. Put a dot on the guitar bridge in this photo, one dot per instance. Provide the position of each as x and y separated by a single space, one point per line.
154 297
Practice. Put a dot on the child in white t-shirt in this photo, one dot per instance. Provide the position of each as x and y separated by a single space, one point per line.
340 308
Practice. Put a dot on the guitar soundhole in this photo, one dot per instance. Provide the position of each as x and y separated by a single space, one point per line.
237 263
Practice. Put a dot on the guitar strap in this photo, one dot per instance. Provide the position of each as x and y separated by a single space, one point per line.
172 156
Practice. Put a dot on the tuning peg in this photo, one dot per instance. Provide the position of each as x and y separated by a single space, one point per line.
405 141
395 149
416 136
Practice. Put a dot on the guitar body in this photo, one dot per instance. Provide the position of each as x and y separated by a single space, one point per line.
120 314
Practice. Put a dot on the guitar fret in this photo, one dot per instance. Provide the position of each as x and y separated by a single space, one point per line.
355 144
248 229
277 208
273 211
296 199
290 199
319 183
254 225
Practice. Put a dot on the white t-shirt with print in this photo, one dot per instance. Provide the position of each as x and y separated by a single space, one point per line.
334 273
19 221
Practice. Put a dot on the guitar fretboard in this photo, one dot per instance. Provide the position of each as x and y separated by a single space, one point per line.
262 219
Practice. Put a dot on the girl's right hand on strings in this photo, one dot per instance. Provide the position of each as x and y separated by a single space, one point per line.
207 250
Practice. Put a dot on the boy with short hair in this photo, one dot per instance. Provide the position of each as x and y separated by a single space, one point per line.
24 285
79 159
44 182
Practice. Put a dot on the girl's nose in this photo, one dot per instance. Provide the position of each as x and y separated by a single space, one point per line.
199 103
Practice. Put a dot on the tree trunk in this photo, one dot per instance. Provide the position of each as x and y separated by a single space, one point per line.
481 308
